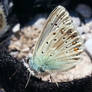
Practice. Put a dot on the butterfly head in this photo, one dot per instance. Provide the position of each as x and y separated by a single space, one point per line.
36 67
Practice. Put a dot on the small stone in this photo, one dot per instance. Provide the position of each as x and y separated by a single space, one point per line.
25 50
39 23
84 10
14 54
83 29
16 28
88 46
87 36
76 21
89 24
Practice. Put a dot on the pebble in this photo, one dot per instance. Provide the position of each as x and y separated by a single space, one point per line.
88 46
14 54
89 24
16 28
39 23
83 29
76 21
25 49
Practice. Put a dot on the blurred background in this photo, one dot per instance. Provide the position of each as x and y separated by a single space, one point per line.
27 17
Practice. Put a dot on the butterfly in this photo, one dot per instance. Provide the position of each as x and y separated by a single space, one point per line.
3 24
59 45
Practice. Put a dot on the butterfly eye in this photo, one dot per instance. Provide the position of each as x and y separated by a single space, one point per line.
41 70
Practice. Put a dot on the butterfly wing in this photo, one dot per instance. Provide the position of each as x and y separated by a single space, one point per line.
57 17
59 45
3 23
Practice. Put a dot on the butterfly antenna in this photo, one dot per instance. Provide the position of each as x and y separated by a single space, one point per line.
28 80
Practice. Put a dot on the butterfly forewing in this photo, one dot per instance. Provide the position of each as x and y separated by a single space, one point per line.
59 45
57 17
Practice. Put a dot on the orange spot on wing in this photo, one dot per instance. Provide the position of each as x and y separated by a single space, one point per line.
75 49
73 43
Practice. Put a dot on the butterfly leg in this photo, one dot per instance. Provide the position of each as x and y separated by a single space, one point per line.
52 79
13 74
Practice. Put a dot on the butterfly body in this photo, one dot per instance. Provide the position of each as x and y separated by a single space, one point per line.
59 45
